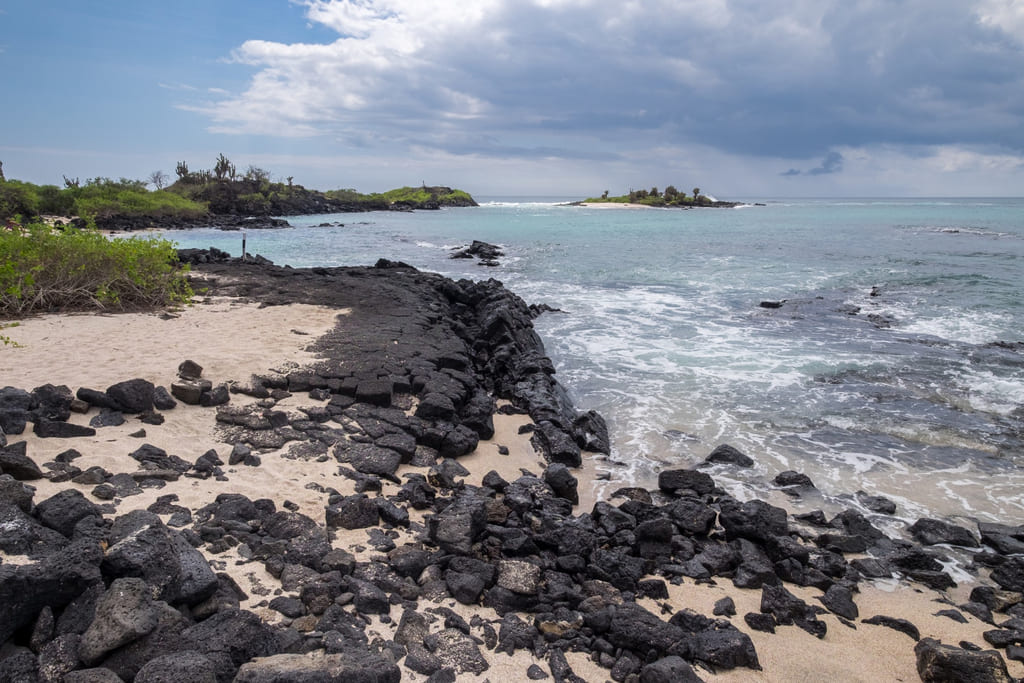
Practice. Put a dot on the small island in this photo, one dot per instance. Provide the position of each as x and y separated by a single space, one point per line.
670 197
219 197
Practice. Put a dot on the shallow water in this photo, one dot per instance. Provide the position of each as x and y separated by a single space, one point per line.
916 393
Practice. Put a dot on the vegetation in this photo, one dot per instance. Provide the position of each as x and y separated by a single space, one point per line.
199 195
406 197
43 269
98 199
670 197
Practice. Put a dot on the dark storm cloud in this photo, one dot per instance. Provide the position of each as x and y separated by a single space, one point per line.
742 76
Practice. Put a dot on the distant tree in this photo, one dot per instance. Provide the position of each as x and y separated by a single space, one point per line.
69 183
654 191
257 174
2 178
158 179
671 192
604 195
181 170
224 169
289 179
696 195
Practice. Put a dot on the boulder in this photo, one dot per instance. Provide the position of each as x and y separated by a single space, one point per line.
632 627
15 462
368 458
556 444
791 478
190 370
353 666
673 481
519 576
353 512
726 454
52 402
178 667
671 669
15 405
562 482
754 520
938 663
162 399
1010 574
134 395
879 504
190 391
13 492
128 660
215 396
50 429
457 650
231 638
64 509
124 613
54 581
99 399
934 531
896 624
177 572
457 527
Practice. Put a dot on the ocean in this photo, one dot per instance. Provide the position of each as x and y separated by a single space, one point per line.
894 365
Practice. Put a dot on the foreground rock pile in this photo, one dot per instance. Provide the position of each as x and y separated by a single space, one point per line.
446 571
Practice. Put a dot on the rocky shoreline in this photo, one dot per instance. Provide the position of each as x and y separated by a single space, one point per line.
416 567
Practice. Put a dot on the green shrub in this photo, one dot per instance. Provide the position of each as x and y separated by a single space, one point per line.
48 270
55 201
18 199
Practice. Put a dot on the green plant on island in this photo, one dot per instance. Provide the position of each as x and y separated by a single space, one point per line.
670 197
406 197
45 270
196 195
97 199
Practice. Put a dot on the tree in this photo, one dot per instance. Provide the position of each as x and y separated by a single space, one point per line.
654 191
69 183
257 174
181 170
671 192
604 195
696 195
158 179
2 178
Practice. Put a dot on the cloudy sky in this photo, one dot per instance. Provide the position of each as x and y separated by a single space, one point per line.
743 98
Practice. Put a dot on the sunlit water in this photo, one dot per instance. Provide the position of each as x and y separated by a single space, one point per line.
915 393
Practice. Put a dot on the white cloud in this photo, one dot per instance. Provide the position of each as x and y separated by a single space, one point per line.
1005 15
536 80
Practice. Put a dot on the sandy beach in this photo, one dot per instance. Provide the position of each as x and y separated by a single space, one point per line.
233 339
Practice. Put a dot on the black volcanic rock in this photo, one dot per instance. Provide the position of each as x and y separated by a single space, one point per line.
933 531
726 454
937 663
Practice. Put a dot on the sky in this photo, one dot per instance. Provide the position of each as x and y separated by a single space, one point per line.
742 98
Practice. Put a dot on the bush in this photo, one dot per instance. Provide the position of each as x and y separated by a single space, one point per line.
102 198
55 201
18 199
45 270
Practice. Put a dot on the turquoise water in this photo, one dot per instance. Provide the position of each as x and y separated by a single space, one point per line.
915 392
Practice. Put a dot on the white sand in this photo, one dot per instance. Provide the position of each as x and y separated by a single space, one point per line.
234 340
615 205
